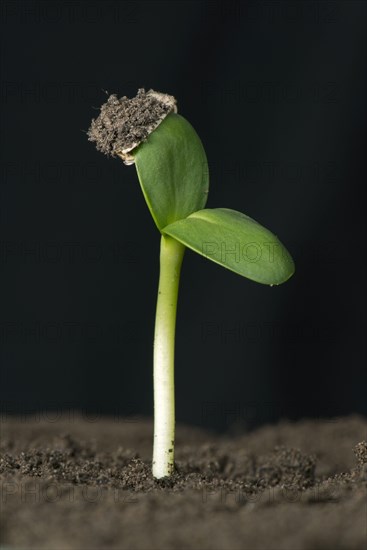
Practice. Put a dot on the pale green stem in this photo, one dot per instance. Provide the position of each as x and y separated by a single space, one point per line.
171 257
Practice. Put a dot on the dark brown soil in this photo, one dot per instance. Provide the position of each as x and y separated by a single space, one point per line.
78 484
123 123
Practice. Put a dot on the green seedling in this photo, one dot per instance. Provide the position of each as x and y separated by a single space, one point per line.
173 173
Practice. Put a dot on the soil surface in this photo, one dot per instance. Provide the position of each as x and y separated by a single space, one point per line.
78 483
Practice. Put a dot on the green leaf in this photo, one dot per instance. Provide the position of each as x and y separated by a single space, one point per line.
236 242
173 171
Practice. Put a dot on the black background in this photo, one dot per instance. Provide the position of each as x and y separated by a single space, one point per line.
276 91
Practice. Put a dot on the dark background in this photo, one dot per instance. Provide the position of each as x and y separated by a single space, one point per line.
276 91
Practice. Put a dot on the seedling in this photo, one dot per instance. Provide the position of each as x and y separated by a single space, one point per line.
173 173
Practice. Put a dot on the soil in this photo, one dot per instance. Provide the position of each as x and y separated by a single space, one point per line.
124 123
80 483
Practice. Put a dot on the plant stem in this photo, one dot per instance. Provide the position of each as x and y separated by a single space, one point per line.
171 257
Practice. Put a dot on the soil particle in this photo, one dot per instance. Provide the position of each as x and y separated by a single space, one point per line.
125 123
361 453
75 485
